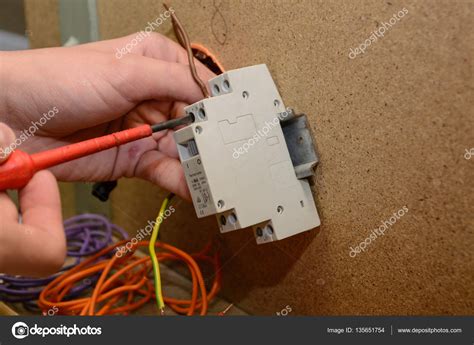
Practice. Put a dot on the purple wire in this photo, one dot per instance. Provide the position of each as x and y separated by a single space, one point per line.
86 235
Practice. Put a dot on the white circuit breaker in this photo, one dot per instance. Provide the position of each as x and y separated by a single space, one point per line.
243 164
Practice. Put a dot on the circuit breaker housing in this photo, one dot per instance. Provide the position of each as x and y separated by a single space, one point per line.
236 159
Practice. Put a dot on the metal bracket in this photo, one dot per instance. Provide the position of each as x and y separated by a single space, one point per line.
300 143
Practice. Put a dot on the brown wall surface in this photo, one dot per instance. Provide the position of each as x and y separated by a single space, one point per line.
42 22
392 126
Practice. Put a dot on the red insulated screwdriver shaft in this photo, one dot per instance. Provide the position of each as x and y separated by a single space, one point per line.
20 167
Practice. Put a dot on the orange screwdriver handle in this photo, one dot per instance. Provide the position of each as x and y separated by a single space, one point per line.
20 167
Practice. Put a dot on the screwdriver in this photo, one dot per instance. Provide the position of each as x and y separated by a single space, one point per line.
20 166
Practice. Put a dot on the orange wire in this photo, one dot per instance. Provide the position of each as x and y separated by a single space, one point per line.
124 284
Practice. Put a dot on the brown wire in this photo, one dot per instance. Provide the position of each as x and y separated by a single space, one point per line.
183 39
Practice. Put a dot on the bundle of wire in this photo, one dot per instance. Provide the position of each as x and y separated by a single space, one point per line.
86 235
124 284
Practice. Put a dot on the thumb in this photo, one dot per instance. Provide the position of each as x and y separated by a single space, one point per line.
7 137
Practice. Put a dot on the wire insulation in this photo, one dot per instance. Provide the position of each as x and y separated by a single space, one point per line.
184 41
124 284
151 248
86 234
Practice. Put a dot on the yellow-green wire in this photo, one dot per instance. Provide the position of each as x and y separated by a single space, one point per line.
151 247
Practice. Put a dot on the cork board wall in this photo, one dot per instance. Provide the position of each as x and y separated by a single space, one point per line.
392 126
42 22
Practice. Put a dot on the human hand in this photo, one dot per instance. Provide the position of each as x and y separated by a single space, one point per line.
86 91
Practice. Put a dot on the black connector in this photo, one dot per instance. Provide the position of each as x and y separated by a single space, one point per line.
102 190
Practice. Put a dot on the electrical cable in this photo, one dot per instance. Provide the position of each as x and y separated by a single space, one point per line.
86 235
207 58
151 248
124 285
184 41
120 284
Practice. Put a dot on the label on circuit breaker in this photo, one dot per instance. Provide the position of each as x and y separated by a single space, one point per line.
199 187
